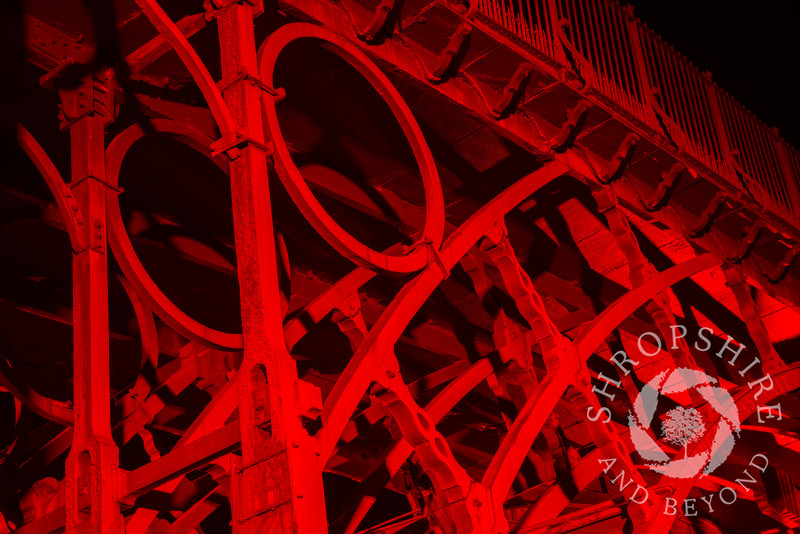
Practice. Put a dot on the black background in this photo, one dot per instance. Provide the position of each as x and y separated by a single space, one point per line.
752 50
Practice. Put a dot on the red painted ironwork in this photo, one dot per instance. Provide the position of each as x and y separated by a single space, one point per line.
629 61
420 253
334 389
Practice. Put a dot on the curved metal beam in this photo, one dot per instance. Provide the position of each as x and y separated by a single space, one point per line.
63 195
506 462
56 411
370 360
611 317
363 367
197 69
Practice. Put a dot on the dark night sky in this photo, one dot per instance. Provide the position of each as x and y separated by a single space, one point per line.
752 52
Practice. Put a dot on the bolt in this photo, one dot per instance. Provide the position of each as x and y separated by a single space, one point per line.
299 495
390 373
296 445
98 224
477 502
75 207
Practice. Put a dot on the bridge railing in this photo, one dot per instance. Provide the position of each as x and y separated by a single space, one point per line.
636 69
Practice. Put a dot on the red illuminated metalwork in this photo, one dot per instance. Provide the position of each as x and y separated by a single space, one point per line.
237 430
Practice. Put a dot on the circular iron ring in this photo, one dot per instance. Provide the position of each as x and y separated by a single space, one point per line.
123 249
418 256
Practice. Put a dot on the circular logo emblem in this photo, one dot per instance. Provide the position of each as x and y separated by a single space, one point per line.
681 426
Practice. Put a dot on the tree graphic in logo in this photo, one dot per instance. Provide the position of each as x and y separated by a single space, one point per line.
684 426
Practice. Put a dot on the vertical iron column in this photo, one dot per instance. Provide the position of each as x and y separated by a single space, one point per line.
278 485
91 473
